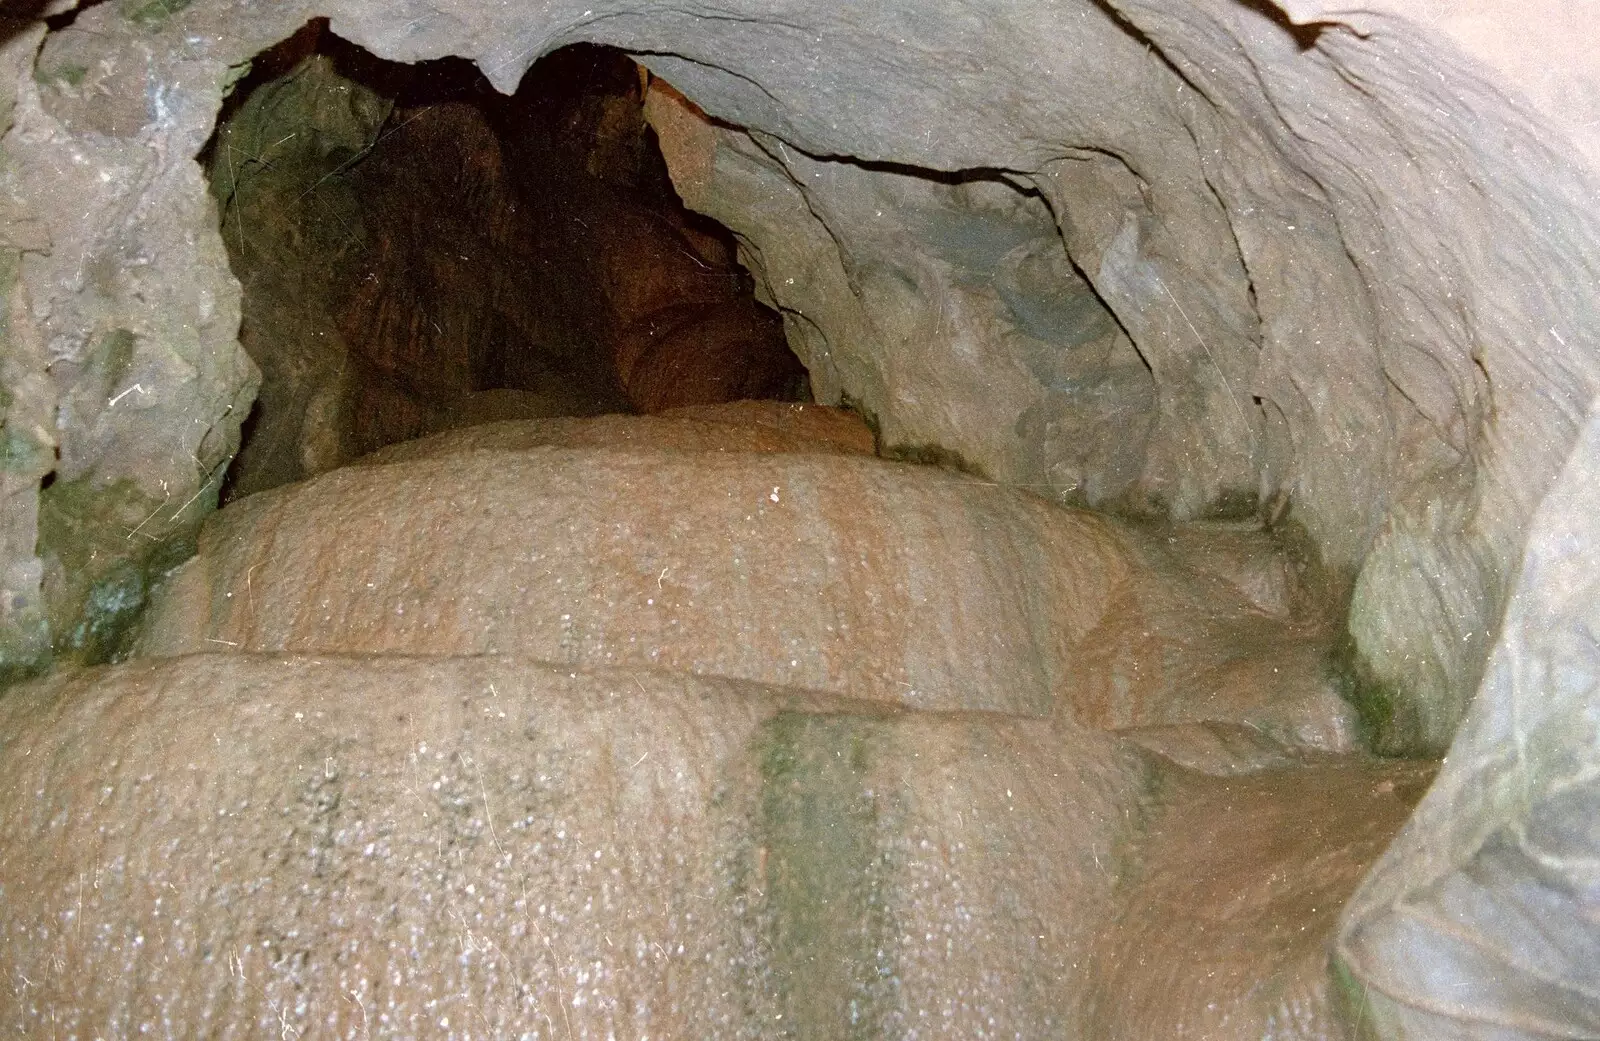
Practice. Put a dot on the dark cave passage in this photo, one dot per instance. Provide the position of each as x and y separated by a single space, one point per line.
419 252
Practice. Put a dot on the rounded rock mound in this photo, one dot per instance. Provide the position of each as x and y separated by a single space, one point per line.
826 571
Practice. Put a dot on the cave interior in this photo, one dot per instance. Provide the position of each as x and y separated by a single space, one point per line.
425 253
1132 418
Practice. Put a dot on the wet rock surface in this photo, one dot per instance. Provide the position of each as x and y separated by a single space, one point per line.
869 579
591 738
1221 278
742 426
1480 921
235 845
1222 923
393 846
1201 260
874 814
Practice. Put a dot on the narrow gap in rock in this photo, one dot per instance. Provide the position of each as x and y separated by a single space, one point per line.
54 22
1305 34
419 253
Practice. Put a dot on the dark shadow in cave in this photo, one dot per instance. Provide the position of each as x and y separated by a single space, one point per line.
419 252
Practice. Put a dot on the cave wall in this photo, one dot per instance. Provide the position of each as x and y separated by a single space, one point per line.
1356 271
1479 921
418 250
1323 246
124 382
1539 47
1341 273
389 265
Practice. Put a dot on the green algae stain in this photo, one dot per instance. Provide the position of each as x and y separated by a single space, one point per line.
930 454
24 647
152 14
1389 724
1364 1013
111 357
105 548
71 74
22 452
826 878
235 75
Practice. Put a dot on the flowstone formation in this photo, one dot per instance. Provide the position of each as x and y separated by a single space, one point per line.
669 730
1152 263
1291 266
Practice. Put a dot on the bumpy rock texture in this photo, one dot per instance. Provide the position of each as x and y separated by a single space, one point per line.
1192 260
484 848
867 579
418 252
1186 258
740 426
826 773
1286 253
1483 920
234 846
1260 887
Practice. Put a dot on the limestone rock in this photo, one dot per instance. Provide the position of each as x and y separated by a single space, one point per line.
234 843
1224 923
908 585
1480 921
27 409
129 381
1351 273
1329 388
744 426
1303 231
229 845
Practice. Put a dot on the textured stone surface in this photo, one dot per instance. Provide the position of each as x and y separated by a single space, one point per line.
1223 924
27 403
1285 398
744 426
122 367
1358 273
1483 920
241 847
418 252
1488 383
1537 46
227 845
1353 269
868 579
390 263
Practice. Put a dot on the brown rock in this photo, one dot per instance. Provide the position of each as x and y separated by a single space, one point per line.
706 355
1227 915
862 578
742 426
241 846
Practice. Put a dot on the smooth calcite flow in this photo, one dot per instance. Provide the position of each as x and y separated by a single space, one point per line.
1303 293
233 845
901 584
236 845
537 731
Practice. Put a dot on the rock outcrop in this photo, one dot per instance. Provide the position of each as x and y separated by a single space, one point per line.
613 740
1254 265
863 578
231 845
418 252
1327 264
741 426
1481 920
